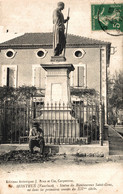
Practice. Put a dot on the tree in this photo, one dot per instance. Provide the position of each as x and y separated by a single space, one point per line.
115 95
85 93
22 93
15 110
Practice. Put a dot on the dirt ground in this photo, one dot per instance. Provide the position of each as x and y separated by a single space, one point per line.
62 174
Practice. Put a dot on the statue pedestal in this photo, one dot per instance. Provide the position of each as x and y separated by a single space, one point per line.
56 119
57 58
57 82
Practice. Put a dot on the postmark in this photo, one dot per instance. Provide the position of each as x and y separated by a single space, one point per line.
107 17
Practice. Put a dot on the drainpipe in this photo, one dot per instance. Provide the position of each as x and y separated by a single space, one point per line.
100 106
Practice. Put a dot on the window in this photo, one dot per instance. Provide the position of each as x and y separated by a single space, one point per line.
10 53
79 53
38 76
9 75
78 77
41 53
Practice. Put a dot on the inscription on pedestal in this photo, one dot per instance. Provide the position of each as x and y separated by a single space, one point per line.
57 82
56 92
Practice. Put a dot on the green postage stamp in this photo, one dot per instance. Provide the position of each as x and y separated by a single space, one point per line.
107 17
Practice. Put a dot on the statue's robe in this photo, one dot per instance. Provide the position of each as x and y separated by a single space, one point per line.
59 39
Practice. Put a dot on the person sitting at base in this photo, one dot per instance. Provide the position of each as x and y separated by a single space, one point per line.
36 138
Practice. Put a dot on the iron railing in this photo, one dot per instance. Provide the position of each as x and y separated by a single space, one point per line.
73 123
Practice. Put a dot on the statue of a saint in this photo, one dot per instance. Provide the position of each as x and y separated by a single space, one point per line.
59 39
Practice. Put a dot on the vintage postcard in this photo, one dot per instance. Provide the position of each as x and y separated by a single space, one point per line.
61 108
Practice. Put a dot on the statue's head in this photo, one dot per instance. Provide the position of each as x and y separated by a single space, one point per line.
60 5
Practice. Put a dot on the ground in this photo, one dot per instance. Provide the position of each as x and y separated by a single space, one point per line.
23 173
71 174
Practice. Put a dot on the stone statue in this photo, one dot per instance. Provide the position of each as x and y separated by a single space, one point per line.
59 39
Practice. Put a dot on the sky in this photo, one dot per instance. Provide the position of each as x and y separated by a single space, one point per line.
36 16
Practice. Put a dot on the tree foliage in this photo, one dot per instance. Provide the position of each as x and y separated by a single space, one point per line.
17 94
80 92
115 94
85 94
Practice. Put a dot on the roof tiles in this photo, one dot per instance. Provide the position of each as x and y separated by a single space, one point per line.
33 39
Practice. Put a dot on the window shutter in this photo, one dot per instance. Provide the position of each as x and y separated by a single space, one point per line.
81 76
33 76
78 76
9 76
75 76
38 77
43 77
4 76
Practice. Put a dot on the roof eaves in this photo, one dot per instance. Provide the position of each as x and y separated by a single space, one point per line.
50 45
25 45
92 39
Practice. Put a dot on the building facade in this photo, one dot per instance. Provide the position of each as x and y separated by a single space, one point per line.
21 59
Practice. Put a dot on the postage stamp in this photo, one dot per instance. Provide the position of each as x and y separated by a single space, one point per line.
107 17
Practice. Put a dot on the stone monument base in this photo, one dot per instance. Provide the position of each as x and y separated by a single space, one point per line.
58 58
57 82
58 123
56 119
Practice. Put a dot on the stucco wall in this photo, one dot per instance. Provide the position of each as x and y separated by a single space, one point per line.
25 58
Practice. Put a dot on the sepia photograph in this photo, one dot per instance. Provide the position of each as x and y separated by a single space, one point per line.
61 96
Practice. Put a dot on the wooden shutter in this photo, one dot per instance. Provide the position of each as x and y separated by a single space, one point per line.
75 77
38 78
9 76
81 76
4 76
